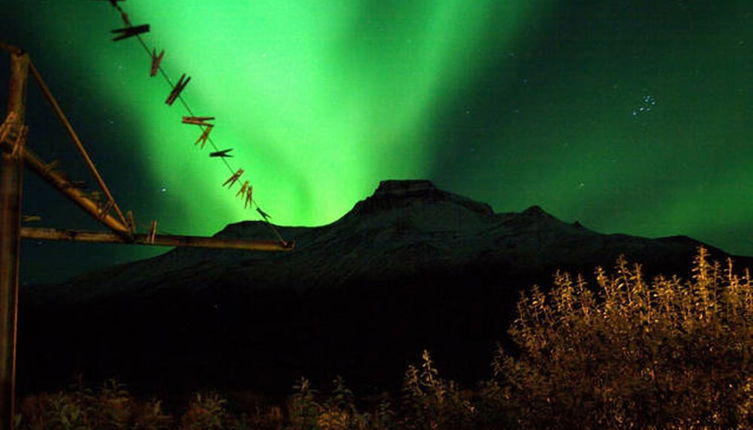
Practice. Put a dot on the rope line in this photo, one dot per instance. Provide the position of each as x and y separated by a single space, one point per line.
182 100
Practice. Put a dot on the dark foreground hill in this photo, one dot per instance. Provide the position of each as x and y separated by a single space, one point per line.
408 268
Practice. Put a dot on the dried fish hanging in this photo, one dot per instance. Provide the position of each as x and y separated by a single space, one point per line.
176 89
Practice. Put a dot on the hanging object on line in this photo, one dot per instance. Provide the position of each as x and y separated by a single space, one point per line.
198 120
177 89
204 136
244 187
263 214
233 179
248 200
221 154
127 32
156 61
175 93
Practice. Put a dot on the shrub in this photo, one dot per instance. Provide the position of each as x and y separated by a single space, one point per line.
431 402
205 412
669 354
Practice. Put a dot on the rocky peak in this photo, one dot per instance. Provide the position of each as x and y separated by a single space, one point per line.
535 212
397 194
396 187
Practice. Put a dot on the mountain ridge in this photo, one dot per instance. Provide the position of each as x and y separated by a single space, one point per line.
407 268
398 210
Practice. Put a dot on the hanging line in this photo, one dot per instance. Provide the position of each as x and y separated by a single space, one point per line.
127 22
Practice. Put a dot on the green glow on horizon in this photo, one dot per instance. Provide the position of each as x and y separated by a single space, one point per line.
323 99
320 100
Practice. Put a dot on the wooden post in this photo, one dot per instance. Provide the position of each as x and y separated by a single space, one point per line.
10 216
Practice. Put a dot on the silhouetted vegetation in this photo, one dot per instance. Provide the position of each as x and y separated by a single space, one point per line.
625 353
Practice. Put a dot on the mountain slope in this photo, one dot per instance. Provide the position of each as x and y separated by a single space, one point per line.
408 268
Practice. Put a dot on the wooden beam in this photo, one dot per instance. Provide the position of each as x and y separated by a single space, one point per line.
158 239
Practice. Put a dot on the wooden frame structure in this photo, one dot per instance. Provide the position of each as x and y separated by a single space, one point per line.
122 228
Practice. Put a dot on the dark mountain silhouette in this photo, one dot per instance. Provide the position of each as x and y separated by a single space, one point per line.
408 268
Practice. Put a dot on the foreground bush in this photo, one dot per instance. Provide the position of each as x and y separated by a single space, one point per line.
625 354
669 354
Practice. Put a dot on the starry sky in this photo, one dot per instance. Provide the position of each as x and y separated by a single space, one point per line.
631 116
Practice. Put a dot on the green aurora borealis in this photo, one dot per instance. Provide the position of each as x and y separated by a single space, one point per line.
320 100
629 116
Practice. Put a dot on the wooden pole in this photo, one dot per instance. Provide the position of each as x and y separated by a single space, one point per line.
10 224
156 240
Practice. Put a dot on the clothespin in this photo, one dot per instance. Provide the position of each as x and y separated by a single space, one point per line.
177 89
130 31
198 120
156 61
233 179
204 136
248 201
262 213
244 187
222 154
152 232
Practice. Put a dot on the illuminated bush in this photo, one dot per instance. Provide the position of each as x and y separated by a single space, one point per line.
430 402
632 354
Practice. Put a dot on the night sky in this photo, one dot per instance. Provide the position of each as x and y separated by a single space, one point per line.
631 116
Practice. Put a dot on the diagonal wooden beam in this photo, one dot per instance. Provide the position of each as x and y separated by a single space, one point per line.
76 140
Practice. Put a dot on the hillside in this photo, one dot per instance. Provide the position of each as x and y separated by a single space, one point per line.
409 267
